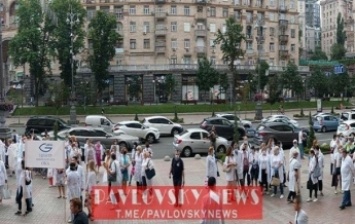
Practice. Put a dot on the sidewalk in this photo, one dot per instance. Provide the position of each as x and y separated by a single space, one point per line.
49 209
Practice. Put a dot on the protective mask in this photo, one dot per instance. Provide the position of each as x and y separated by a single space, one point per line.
176 156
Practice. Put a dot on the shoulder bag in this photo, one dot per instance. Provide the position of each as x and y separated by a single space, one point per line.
112 177
150 173
6 192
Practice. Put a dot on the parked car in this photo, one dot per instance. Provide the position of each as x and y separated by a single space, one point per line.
138 129
232 118
98 134
346 128
40 124
271 118
320 113
224 127
195 140
325 123
99 121
346 116
278 131
163 124
281 120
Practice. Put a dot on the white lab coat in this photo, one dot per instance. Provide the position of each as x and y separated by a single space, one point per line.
238 160
230 176
2 152
277 164
301 217
3 175
12 153
90 154
264 161
312 165
295 149
115 168
91 180
294 165
347 173
26 175
321 164
73 184
211 166
80 171
20 150
138 167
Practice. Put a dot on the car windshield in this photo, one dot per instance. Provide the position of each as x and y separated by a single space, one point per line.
344 116
109 120
184 132
260 128
342 127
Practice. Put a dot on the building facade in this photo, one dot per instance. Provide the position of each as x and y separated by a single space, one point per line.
312 26
162 37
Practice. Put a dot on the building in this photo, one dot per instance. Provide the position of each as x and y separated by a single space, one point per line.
163 37
330 10
313 38
313 28
312 12
302 27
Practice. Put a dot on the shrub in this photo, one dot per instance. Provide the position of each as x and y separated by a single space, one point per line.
311 137
221 157
296 115
178 120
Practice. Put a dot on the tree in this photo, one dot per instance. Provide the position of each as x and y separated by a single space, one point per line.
170 85
261 69
134 88
318 54
104 38
319 82
206 76
340 83
62 36
231 41
291 80
311 136
275 90
338 49
30 44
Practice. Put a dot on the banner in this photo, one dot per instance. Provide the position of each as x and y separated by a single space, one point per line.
45 154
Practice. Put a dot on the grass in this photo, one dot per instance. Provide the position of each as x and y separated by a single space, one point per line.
168 108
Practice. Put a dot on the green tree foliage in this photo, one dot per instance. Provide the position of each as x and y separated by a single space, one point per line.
231 42
224 81
338 49
291 80
135 87
275 90
339 83
206 76
319 82
318 54
261 69
30 44
170 84
104 38
236 131
61 39
311 136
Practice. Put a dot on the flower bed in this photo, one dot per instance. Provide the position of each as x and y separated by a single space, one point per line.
6 107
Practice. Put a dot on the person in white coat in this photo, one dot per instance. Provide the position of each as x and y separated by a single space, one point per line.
229 169
347 173
254 166
211 165
12 154
73 183
2 151
138 159
264 170
277 170
293 177
301 216
312 184
24 189
239 164
245 165
3 178
113 169
320 157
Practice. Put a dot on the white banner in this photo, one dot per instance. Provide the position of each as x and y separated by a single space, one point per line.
45 154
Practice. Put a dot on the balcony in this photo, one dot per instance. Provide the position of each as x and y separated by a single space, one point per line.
160 14
160 31
200 16
283 38
249 37
249 20
160 1
160 50
160 44
283 53
283 23
200 49
200 33
283 8
202 2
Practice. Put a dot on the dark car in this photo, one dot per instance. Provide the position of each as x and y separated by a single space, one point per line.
40 124
280 132
224 127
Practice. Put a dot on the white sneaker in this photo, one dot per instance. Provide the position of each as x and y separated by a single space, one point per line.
335 192
309 199
315 200
272 195
282 196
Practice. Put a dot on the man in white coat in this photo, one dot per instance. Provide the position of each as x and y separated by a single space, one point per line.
300 216
293 177
347 173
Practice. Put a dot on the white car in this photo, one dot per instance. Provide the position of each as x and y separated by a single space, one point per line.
138 129
275 117
232 118
163 124
346 128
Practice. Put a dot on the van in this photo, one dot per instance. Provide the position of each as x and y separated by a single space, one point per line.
99 121
40 124
346 116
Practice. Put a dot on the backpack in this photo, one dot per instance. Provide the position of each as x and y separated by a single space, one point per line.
246 162
316 171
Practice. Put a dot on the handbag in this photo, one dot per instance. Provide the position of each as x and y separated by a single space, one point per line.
6 193
112 177
275 181
150 173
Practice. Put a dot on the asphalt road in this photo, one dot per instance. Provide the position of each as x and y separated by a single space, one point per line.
165 147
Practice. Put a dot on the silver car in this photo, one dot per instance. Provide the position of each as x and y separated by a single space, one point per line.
195 140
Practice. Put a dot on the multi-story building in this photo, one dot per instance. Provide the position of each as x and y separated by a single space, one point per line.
312 12
330 10
312 26
163 37
313 38
302 26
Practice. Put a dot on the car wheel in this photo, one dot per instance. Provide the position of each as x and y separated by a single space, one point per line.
324 129
187 152
174 132
123 145
221 149
150 138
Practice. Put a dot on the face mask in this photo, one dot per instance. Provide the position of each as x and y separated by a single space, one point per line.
124 153
176 156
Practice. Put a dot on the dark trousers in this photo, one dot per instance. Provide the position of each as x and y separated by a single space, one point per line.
281 188
19 195
109 188
242 179
291 195
346 199
320 185
177 181
315 189
264 182
144 183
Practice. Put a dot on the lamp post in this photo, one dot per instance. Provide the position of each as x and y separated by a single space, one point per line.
259 41
72 19
154 93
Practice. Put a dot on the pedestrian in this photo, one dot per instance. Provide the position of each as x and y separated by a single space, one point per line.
2 151
239 163
114 175
264 170
90 153
229 168
213 137
210 206
133 162
336 177
138 159
148 149
15 136
295 148
3 179
115 148
80 171
177 172
293 177
60 179
125 162
73 185
277 171
147 164
312 184
301 216
254 166
99 152
347 174
320 157
12 154
50 174
301 138
106 165
91 181
76 208
24 190
211 166
245 165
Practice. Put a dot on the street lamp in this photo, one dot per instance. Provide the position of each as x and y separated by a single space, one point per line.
259 41
154 98
72 19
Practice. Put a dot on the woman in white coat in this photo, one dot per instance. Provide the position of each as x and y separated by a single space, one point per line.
211 165
73 184
264 169
3 179
24 189
12 153
147 163
114 169
347 174
277 170
138 160
312 184
293 176
320 157
229 168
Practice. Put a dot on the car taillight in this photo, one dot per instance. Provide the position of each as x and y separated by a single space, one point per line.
116 128
262 134
204 124
347 127
178 141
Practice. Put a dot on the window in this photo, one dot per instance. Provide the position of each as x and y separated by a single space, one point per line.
213 60
272 16
212 12
225 12
174 44
173 26
173 60
211 42
132 44
272 2
187 43
272 31
249 45
146 10
195 135
212 28
293 33
187 60
146 43
272 47
173 10
146 27
132 10
224 28
292 4
186 10
293 47
187 27
132 27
